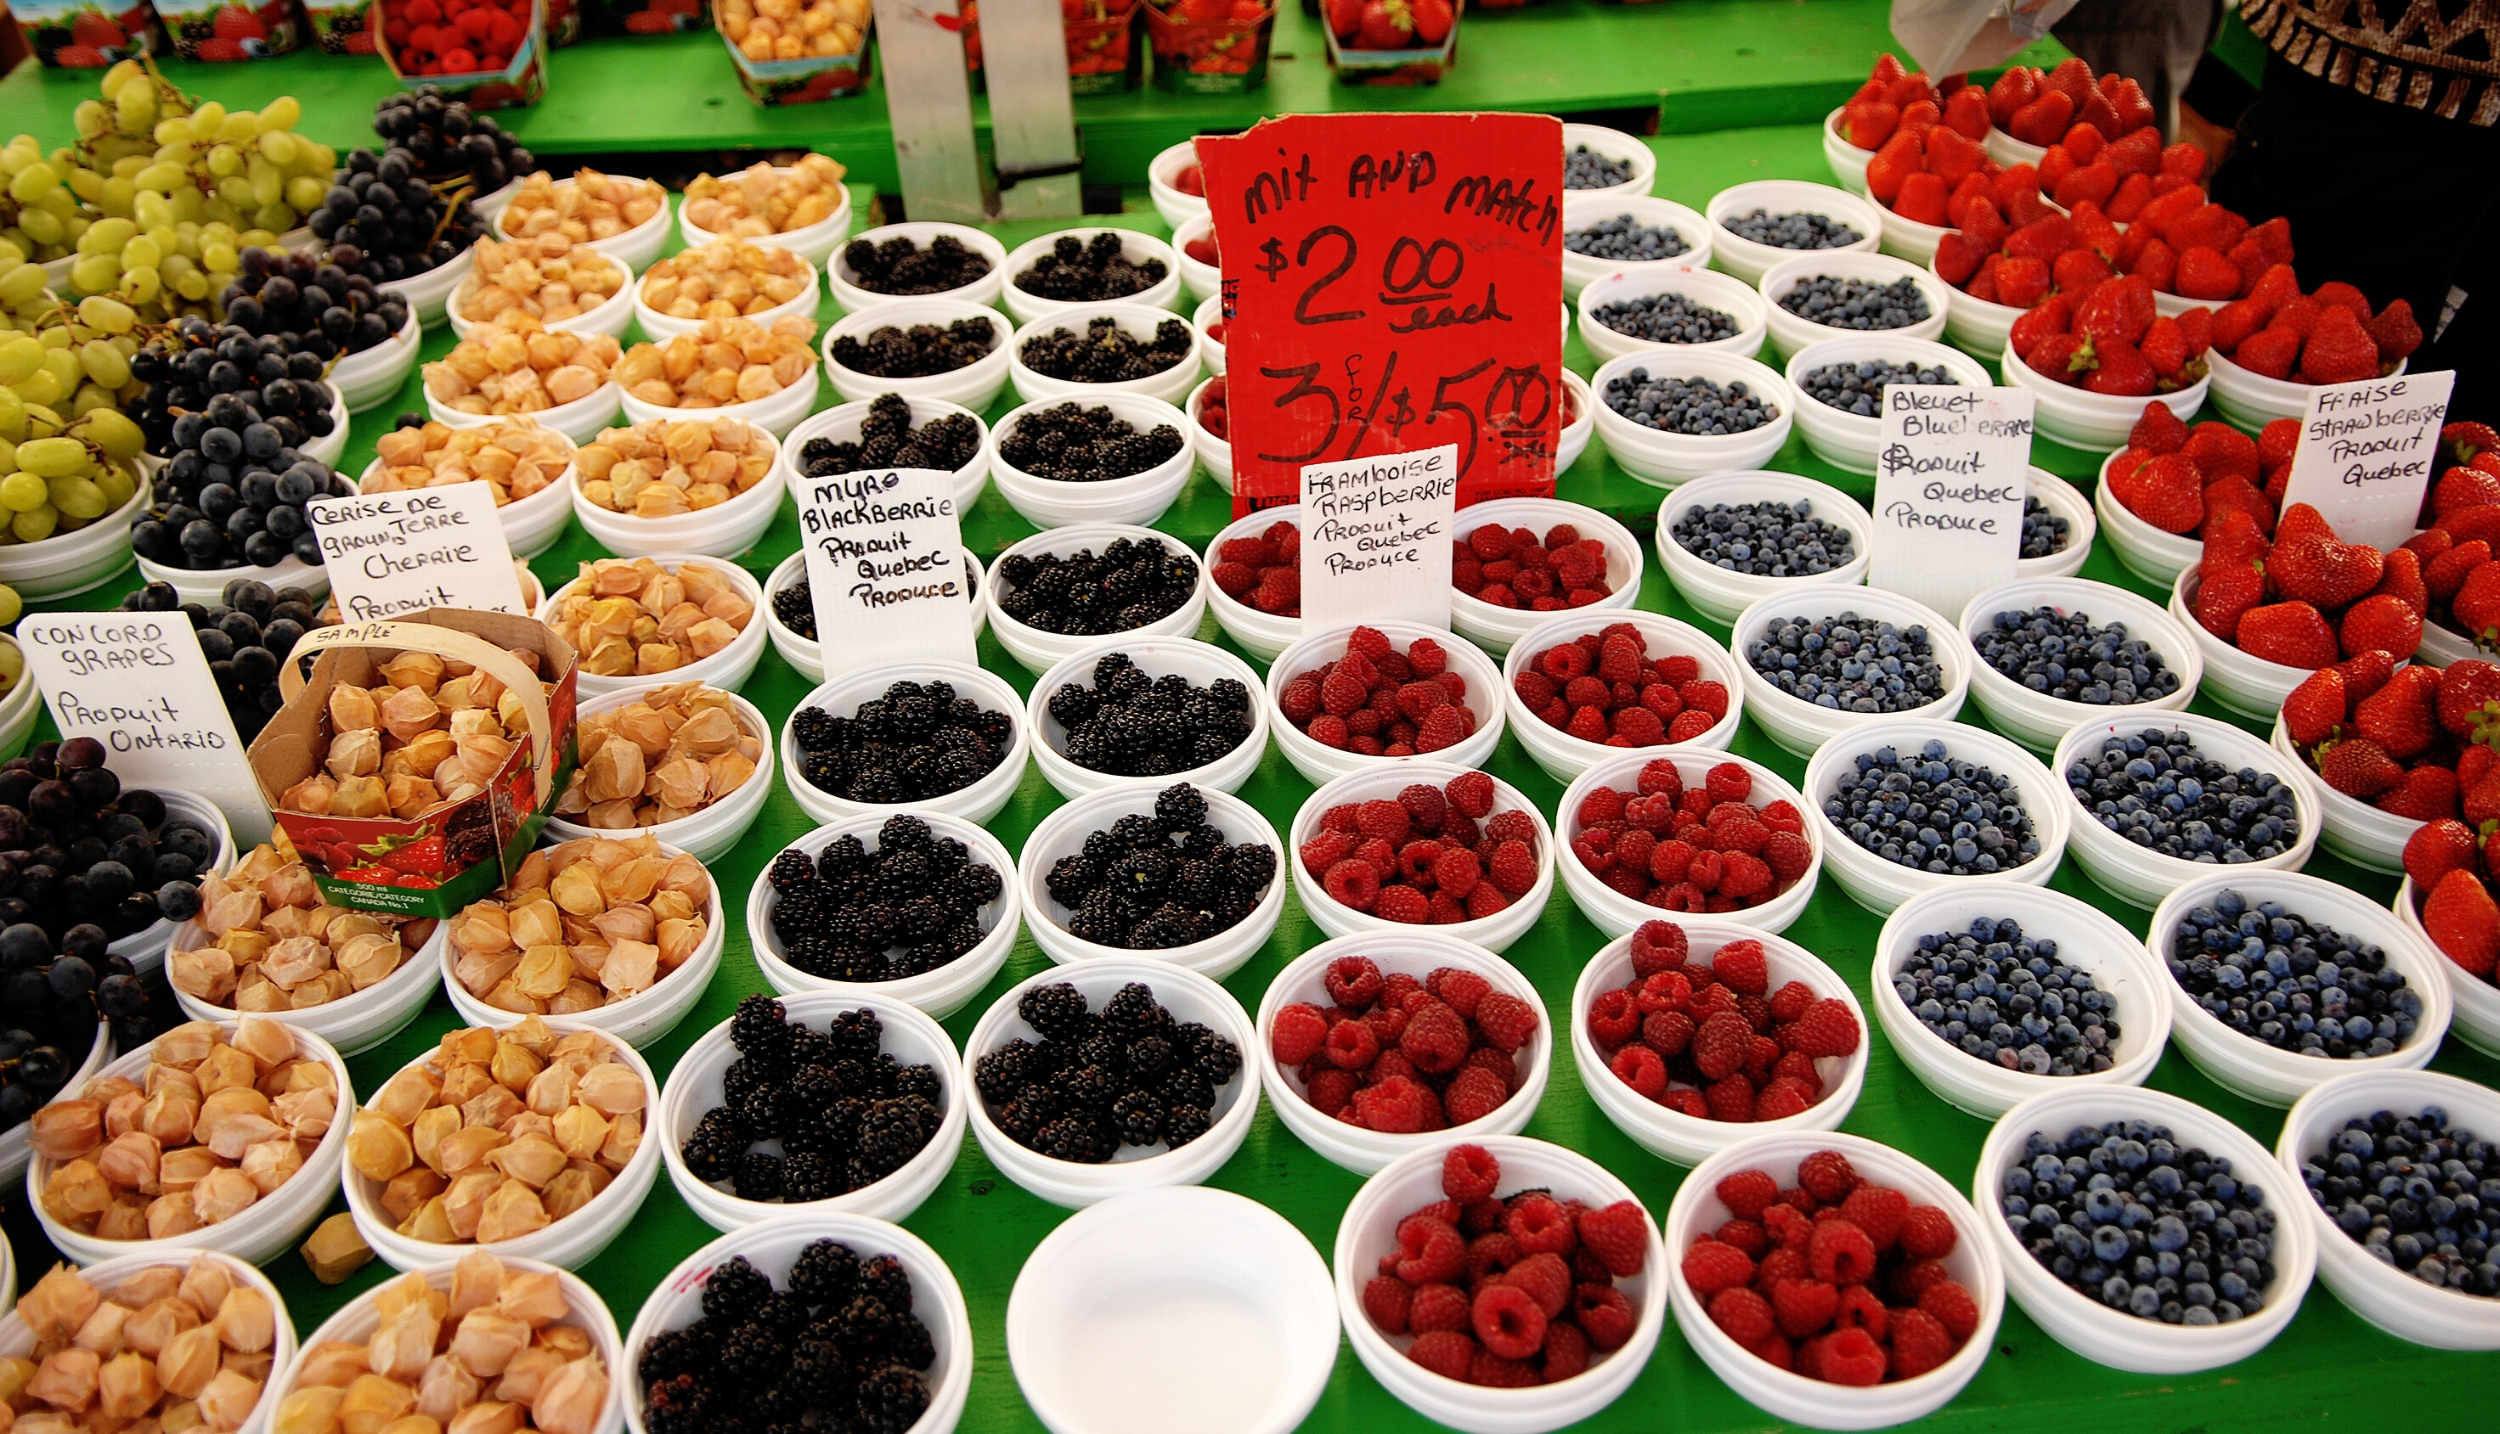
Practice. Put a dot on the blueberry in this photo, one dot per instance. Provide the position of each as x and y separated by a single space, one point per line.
1849 663
2298 986
1791 231
1858 388
1626 240
2382 1178
2135 1236
1856 304
2044 532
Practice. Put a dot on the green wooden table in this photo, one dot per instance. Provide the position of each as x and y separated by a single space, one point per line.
2327 1366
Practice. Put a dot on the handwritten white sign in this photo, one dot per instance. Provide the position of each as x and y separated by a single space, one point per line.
138 683
885 567
395 554
1376 537
1950 473
2366 451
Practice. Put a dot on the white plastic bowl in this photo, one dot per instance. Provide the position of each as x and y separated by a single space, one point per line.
18 707
811 242
1573 439
803 654
1619 282
2247 398
1748 260
1214 454
1910 239
2040 721
1368 1231
373 377
1796 1398
1616 145
706 835
67 564
1848 162
727 669
2009 151
1416 951
426 293
1182 1298
1847 440
1584 208
1320 764
1138 321
941 992
1495 628
2387 1297
661 327
1803 727
1203 663
330 447
531 525
2477 1000
1667 459
1978 327
2241 681
17 1142
1201 281
773 1246
1497 932
1792 332
352 1024
636 246
1189 996
1062 834
1175 207
1882 886
1671 1135
2114 1337
910 1037
2146 551
2065 501
1616 914
1039 651
842 424
841 280
2256 1071
569 1243
2353 829
609 316
1137 246
1140 498
493 204
2080 418
1564 756
976 803
2087 940
146 947
1262 635
775 413
271 1225
1720 595
18 1342
579 420
723 530
1210 348
974 386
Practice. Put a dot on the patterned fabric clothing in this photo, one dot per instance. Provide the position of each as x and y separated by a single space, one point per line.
2441 57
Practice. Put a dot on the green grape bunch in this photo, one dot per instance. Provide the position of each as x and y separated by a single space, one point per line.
58 476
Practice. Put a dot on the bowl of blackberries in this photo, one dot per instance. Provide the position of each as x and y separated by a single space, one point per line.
1064 588
790 610
934 736
836 1101
946 349
366 335
1105 348
451 142
384 220
891 430
920 908
917 260
1118 458
1112 1075
245 635
1077 267
230 503
78 850
1129 710
1186 874
191 365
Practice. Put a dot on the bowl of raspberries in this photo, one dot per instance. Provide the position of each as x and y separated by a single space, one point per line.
1518 561
1815 1259
1351 698
1500 1284
1185 873
1647 835
1372 1046
1697 1033
1254 577
1584 686
1423 844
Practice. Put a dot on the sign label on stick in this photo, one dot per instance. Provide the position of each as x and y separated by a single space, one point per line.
1950 473
1376 537
2366 451
886 567
138 683
1400 277
396 554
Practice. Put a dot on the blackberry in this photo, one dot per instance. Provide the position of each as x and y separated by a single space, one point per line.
999 1074
828 1086
912 906
921 351
825 1273
1185 1123
811 1177
1186 1085
890 1134
1106 353
1097 1082
760 1029
713 1151
1139 1116
1072 1138
891 1401
734 1291
908 1342
847 1367
1069 443
903 269
790 868
890 750
1179 807
758 1176
1215 1056
1078 270
821 1376
884 1278
679 1404
671 1353
752 1352
1057 1011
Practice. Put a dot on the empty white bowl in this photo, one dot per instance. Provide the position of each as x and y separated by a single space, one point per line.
372 377
636 246
941 992
811 242
1319 763
1176 207
1748 260
1262 635
843 281
1670 1134
2115 1337
2063 500
660 327
2038 720
2087 940
2350 828
1720 594
1564 756
974 385
1138 321
1494 933
1139 498
2080 418
1136 246
1584 208
727 668
2249 1067
1792 332
977 802
1699 286
1062 834
1848 440
842 422
1803 727
1495 628
1880 885
2241 681
1667 459
1616 914
1203 663
1200 280
1612 144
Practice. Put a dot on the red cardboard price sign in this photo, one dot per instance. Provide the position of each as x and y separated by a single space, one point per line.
1399 279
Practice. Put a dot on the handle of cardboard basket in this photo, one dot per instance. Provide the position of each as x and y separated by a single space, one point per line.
441 642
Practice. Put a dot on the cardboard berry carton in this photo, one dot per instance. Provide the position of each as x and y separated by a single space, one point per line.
1392 42
652 17
220 30
495 60
345 29
795 81
455 852
86 34
1210 47
1104 53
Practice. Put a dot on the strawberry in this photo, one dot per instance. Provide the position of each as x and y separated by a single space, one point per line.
2309 564
2236 322
2096 110
2291 633
2218 448
2429 793
1958 257
2072 78
2335 293
2315 708
2234 538
2017 87
1868 123
2402 717
2159 430
1920 198
2438 847
2020 282
1345 17
2481 800
233 22
1966 112
2134 192
2469 698
2464 923
2204 273
2468 440
2163 492
2339 350
2474 763
2210 225
2365 673
2476 605
2235 492
2270 353
422 857
2049 318
2465 486
2224 598
2089 184
2061 357
2358 768
2118 368
2078 271
2382 622
2165 347
2043 121
97 31
1433 19
2403 581
2448 572
1385 25
2156 263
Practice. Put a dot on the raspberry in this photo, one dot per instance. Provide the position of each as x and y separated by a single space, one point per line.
1746 1235
1788 855
1425 807
1850 1356
1427 658
1417 698
1658 946
1619 1233
1827 1176
1952 1306
1490 542
1799 1067
1743 965
1919 1343
1927 1233
1354 883
1353 981
1380 855
1396 1106
1385 1299
1471 793
1721 1045
1429 1249
1351 1046
1745 1316
1859 1309
1539 1223
1405 904
1879 1211
1472 1095
1506 1319
1512 825
1329 1091
1369 641
1300 701
1731 1100
1668 990
1297 1034
1780 1099
1459 989
1490 1254
1566 1351
1513 868
1546 1279
1491 1371
1279 592
1710 1267
1828 1028
1446 1352
1486 900
1640 1068
1841 1253
1728 782
1783 1264
1340 818
1803 1307
1438 1307
1382 821
1506 1021
1747 1193
1341 693
1912 1280
1443 728
1688 726
1602 1312
1435 1039
1564 662
1469 1173
1710 697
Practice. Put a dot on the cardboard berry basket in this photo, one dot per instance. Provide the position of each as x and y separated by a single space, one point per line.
1419 65
803 81
216 30
415 42
348 28
88 34
454 852
1104 55
1210 47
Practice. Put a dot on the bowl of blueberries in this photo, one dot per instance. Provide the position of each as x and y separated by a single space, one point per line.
1813 297
1603 234
1632 309
2162 796
919 259
1598 160
1915 804
1819 659
2279 981
2058 528
1763 222
1732 538
1668 415
1996 991
2410 1263
949 349
2057 651
2143 1231
1840 387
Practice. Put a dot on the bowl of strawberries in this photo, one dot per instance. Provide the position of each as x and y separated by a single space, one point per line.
2267 612
1888 103
2385 749
2446 901
2272 345
2093 358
